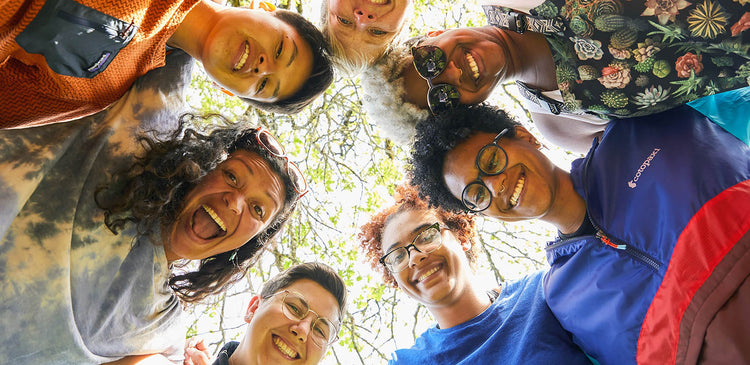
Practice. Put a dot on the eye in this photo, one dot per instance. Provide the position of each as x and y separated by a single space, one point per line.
280 48
230 178
262 85
321 331
378 32
479 196
343 21
259 211
294 309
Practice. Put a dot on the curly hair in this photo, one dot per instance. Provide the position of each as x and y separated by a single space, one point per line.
321 75
438 135
151 192
407 199
383 91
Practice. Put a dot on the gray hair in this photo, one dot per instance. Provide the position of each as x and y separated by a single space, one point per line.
383 94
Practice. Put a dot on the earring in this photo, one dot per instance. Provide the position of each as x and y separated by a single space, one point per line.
234 255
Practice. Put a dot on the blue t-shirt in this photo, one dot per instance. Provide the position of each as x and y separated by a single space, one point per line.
518 328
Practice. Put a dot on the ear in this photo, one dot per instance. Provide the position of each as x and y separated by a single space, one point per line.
522 134
252 307
435 33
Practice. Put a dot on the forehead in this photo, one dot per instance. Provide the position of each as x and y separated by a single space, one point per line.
318 298
257 167
400 227
459 166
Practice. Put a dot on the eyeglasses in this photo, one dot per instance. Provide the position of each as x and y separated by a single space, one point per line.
322 331
491 160
426 241
274 147
430 62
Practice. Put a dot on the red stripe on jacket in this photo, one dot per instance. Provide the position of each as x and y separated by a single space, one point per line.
704 242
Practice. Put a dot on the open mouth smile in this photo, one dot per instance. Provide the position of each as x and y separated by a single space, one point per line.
243 58
513 201
284 349
428 274
207 224
473 66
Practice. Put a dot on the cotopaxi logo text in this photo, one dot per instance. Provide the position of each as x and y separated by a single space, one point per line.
632 183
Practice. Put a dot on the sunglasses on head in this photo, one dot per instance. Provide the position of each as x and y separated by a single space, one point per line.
266 140
431 61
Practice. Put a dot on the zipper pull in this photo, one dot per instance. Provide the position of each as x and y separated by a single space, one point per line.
600 235
124 34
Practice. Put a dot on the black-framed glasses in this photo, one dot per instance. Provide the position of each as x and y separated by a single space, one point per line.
322 331
273 146
491 160
431 61
428 240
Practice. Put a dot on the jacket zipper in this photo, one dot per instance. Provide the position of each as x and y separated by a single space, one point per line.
608 240
633 252
75 19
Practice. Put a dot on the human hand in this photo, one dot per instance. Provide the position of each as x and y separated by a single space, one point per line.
196 352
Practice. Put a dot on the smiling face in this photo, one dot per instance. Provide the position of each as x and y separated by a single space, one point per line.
256 55
477 61
366 26
439 278
272 338
228 207
525 190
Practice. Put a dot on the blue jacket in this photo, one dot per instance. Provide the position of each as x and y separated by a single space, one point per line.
669 197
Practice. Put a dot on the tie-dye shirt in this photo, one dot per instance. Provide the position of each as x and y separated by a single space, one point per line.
71 291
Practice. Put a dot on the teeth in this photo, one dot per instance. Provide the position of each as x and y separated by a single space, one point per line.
425 275
517 192
243 59
473 65
284 348
379 2
215 217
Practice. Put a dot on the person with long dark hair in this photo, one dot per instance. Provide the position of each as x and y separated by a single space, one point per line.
111 224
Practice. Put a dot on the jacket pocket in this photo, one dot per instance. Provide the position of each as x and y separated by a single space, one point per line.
74 39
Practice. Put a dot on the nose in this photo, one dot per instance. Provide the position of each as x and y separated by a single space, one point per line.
301 329
415 256
265 65
235 201
496 183
451 75
363 16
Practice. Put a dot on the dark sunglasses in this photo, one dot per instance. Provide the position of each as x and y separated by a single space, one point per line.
273 146
431 61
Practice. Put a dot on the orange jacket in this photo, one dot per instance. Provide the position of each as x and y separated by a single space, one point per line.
32 93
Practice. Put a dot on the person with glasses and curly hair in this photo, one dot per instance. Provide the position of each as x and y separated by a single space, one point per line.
112 223
654 224
295 318
429 254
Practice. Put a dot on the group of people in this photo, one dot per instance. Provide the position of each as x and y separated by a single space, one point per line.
116 209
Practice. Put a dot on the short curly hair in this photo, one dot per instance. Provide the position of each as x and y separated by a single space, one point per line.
407 199
438 135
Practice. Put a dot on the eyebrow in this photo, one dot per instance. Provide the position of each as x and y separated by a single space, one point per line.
419 228
294 53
